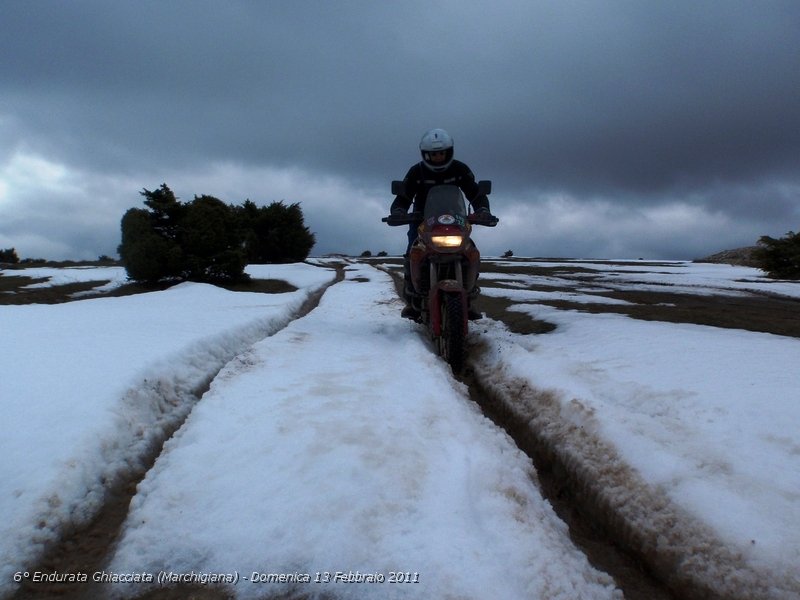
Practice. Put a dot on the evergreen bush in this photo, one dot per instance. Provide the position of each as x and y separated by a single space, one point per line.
780 258
9 255
206 239
275 233
209 238
146 253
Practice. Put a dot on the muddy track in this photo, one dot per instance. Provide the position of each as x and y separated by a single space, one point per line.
599 543
88 549
651 547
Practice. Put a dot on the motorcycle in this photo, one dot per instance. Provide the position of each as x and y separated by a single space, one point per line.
444 265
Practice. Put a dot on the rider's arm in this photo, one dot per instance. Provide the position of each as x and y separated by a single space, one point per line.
404 202
480 203
469 186
401 203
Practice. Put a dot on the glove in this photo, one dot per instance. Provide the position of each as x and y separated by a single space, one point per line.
482 216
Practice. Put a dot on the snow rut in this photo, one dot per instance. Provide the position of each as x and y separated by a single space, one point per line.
368 470
652 548
678 550
79 537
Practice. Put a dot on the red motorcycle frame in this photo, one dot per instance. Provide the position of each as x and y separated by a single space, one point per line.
444 264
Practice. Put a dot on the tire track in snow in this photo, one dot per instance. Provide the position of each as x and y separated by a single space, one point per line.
87 549
599 541
600 544
597 494
652 548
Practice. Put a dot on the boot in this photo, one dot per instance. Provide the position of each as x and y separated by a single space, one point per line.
409 312
472 314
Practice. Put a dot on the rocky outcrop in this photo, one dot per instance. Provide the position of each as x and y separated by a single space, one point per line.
738 256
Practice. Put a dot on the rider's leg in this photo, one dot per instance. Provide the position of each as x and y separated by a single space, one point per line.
409 312
474 290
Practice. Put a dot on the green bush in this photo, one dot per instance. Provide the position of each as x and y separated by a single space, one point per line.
780 258
275 233
146 253
9 255
209 238
206 239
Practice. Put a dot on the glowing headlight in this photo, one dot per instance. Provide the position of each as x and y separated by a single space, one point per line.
447 241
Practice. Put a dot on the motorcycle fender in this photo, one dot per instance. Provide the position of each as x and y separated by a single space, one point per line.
449 285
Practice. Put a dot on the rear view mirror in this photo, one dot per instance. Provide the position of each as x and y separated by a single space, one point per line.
485 187
399 188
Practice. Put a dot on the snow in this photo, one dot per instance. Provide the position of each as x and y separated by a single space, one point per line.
113 276
706 416
681 277
719 439
338 442
372 461
88 387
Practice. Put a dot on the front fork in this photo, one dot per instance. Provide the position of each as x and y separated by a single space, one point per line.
416 259
445 287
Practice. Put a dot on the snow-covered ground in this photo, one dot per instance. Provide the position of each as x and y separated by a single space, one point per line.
114 276
87 388
339 444
707 416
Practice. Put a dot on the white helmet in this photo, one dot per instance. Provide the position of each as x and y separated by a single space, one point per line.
436 140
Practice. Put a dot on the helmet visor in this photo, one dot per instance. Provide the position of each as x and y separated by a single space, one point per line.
438 159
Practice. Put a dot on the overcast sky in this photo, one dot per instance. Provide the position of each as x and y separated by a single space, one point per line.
610 129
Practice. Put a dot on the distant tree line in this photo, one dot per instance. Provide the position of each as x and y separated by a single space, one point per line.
207 239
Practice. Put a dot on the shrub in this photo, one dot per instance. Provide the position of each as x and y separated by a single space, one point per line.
9 255
146 253
780 258
196 241
206 239
210 242
275 233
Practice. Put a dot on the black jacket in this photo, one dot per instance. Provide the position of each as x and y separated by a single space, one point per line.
420 179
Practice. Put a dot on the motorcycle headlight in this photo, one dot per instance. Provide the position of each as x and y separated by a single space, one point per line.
447 241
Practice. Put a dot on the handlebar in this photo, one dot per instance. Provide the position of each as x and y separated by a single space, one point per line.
487 221
416 218
413 218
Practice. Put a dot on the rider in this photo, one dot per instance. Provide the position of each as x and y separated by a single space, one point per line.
437 167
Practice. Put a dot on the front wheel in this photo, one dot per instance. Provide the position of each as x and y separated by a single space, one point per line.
452 341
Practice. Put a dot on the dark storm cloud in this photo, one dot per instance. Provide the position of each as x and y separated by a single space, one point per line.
652 95
636 103
261 82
